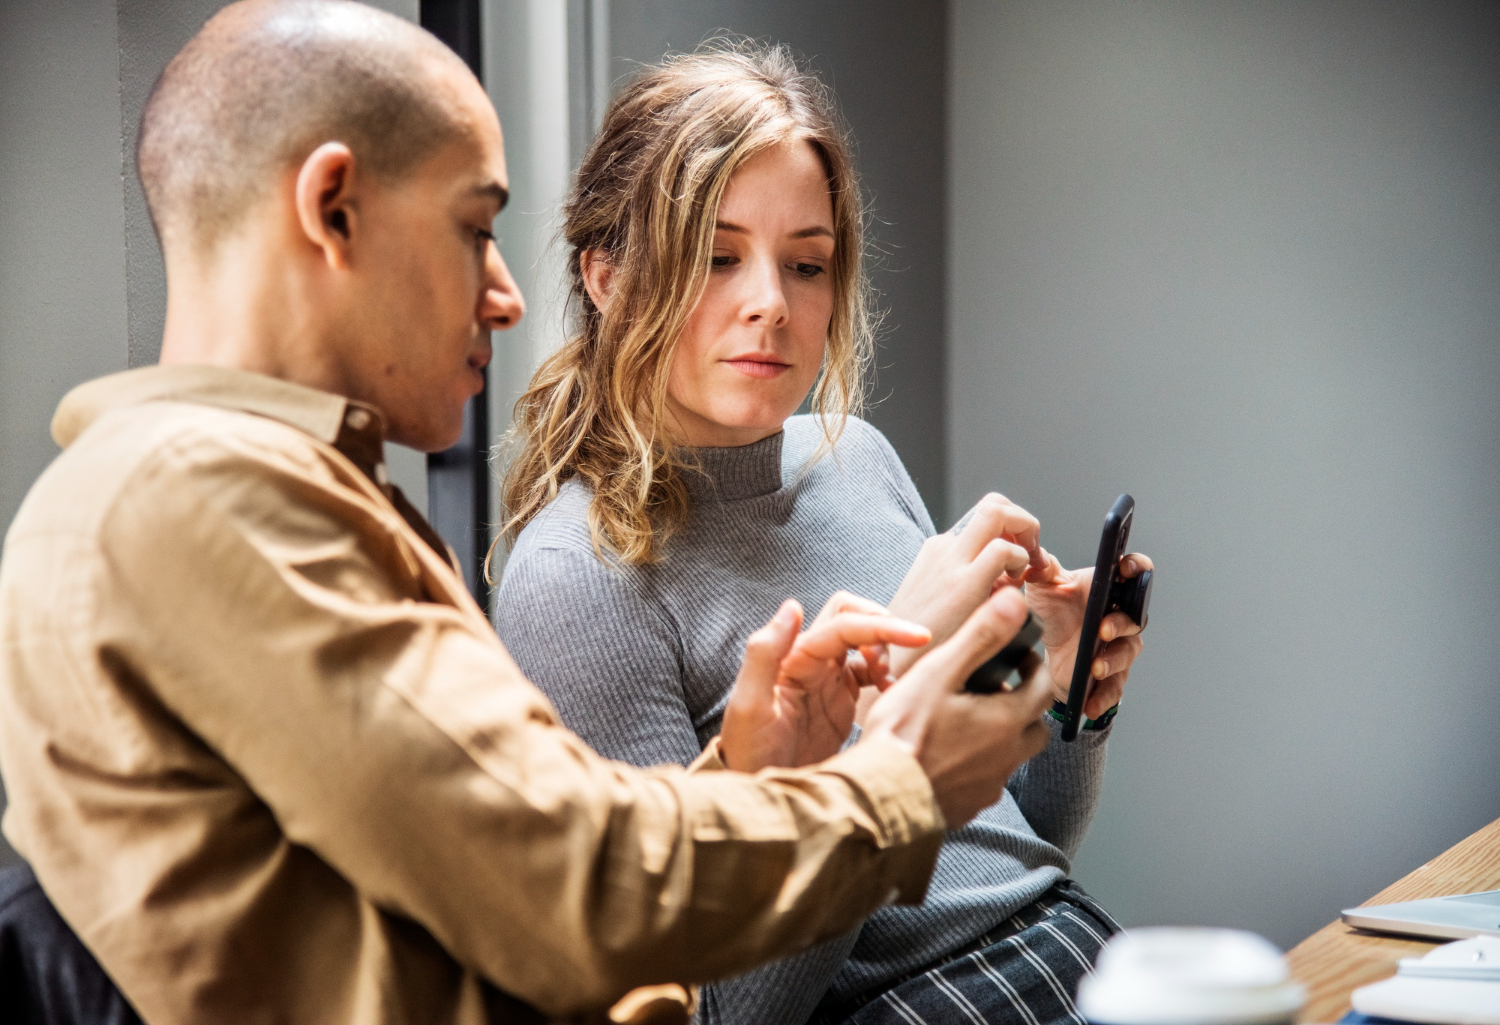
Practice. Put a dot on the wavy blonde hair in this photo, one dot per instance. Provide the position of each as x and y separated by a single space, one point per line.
646 198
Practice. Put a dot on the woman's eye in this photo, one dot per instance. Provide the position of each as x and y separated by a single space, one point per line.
808 270
483 237
722 261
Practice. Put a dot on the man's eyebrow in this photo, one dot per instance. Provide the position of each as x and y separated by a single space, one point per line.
812 232
494 190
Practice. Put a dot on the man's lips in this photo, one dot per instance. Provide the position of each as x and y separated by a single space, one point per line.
477 361
762 367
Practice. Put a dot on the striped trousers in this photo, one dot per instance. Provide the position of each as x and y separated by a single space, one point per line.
1026 972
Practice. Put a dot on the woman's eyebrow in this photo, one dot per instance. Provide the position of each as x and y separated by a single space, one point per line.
811 232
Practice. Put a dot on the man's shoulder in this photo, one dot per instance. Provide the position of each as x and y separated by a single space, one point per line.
158 447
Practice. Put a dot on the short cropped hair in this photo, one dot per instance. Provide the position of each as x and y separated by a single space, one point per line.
262 85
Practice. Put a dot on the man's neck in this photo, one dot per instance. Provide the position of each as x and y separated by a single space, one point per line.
238 309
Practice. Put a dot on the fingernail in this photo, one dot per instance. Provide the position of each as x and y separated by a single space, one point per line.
787 614
1101 669
1107 631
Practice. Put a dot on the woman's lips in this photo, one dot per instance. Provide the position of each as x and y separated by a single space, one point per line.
760 368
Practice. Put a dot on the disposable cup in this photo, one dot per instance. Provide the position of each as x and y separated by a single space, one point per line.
1189 976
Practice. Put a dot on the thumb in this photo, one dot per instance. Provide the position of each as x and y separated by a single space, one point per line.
765 649
990 626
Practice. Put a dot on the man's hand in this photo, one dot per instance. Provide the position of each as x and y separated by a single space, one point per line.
1058 597
969 744
955 572
794 699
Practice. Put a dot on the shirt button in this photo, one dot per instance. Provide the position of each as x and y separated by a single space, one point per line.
357 419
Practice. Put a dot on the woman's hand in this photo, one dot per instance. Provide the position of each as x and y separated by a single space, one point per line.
1058 597
956 572
794 699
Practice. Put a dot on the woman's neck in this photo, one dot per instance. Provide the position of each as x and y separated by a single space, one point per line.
724 473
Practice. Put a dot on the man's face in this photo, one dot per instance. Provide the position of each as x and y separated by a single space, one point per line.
433 285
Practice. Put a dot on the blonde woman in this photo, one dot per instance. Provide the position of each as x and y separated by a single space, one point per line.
665 499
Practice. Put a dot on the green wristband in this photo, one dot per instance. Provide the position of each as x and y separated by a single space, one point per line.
1059 713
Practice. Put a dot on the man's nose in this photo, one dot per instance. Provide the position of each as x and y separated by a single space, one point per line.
766 302
500 305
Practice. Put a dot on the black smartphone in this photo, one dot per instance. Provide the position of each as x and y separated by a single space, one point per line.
1004 669
1108 593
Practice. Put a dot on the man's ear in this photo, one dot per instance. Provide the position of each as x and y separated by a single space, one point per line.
325 201
598 273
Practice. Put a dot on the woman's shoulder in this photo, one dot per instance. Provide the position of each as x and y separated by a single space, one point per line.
858 439
861 455
554 561
562 525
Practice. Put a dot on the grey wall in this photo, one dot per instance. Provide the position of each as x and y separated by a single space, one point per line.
1243 260
62 249
885 59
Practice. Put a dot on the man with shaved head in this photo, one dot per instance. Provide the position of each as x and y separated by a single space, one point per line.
265 754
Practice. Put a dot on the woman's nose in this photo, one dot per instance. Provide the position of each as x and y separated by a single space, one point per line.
501 305
766 302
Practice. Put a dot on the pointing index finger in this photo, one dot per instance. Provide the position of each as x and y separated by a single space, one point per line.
836 635
998 517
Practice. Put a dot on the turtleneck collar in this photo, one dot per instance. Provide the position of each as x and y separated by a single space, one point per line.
732 474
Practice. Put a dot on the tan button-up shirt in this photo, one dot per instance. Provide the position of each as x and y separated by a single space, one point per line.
271 762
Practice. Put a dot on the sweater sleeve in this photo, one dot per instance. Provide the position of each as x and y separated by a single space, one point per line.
1058 790
609 661
611 664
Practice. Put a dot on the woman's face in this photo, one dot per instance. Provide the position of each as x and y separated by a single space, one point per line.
753 345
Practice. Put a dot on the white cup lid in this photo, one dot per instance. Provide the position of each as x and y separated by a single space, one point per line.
1189 976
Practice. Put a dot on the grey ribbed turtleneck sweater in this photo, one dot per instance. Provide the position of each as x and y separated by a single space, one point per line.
640 660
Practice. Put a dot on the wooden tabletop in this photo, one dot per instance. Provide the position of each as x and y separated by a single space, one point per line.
1338 959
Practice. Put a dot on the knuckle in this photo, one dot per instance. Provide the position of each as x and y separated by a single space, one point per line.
987 622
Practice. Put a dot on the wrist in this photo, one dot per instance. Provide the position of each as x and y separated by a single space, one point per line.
886 735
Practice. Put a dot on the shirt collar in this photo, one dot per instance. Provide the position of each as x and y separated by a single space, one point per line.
321 414
354 428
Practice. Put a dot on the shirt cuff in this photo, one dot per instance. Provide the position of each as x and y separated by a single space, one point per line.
899 797
893 782
711 760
